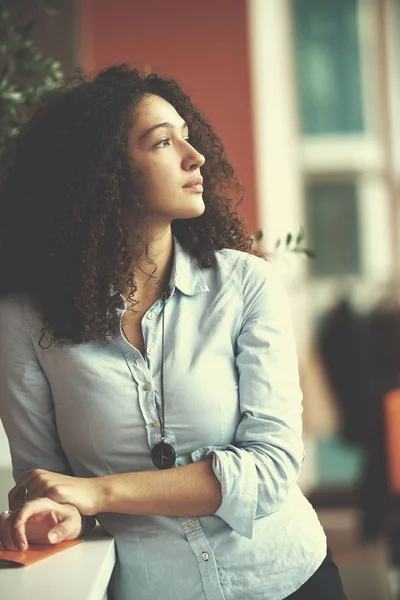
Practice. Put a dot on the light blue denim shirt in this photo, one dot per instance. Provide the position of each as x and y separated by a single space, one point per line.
231 392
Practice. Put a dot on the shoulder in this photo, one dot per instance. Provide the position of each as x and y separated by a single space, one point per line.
12 305
259 283
252 271
17 310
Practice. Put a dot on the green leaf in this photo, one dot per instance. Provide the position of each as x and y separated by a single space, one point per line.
306 251
259 235
310 253
51 10
300 236
24 72
278 243
288 239
16 97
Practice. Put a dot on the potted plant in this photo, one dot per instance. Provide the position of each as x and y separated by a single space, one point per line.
24 72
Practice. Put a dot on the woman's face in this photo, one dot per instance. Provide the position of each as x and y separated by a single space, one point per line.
160 148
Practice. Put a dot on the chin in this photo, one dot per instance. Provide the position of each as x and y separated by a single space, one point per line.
192 211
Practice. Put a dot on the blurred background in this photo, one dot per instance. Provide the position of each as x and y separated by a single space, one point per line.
306 97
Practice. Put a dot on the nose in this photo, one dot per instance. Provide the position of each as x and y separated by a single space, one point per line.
193 159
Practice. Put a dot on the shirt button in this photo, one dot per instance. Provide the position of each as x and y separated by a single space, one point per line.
205 556
147 386
191 523
149 350
151 315
156 424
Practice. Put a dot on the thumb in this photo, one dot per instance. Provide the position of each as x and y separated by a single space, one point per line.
57 534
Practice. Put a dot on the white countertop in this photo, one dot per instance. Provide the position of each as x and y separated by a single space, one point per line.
78 573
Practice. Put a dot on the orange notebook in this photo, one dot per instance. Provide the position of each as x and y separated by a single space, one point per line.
34 553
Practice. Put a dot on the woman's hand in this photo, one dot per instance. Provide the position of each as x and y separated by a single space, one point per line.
40 521
83 493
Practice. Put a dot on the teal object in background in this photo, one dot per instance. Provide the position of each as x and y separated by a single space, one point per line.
327 57
338 462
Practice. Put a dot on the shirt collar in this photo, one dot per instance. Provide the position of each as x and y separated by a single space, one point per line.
186 274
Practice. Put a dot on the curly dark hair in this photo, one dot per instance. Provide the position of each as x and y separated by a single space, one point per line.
65 196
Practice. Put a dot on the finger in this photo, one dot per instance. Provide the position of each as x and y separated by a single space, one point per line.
19 485
32 493
18 495
6 537
17 543
39 487
32 507
12 494
38 527
57 534
29 509
19 536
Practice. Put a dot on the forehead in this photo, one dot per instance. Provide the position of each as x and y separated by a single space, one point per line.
151 110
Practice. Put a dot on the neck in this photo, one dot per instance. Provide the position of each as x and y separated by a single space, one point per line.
151 281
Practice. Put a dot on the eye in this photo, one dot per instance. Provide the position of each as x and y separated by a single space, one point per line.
163 143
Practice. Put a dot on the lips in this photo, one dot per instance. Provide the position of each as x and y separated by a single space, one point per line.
194 185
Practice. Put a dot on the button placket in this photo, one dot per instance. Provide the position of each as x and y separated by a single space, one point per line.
202 550
148 330
150 325
152 334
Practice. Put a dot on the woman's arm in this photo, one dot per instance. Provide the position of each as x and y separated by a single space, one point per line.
263 462
188 490
27 412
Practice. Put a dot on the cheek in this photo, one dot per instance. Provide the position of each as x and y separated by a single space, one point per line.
161 185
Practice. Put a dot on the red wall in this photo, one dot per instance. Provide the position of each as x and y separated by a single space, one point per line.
203 45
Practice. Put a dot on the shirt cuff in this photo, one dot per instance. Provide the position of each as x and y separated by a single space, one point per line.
236 471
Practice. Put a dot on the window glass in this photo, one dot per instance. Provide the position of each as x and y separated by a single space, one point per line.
327 58
333 227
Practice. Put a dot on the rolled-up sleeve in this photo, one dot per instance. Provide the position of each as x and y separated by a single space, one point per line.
257 470
26 405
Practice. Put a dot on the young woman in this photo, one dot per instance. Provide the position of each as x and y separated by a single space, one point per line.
148 366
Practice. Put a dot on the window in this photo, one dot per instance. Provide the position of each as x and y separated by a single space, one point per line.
327 57
333 227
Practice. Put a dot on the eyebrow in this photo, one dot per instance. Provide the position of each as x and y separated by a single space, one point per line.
158 125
